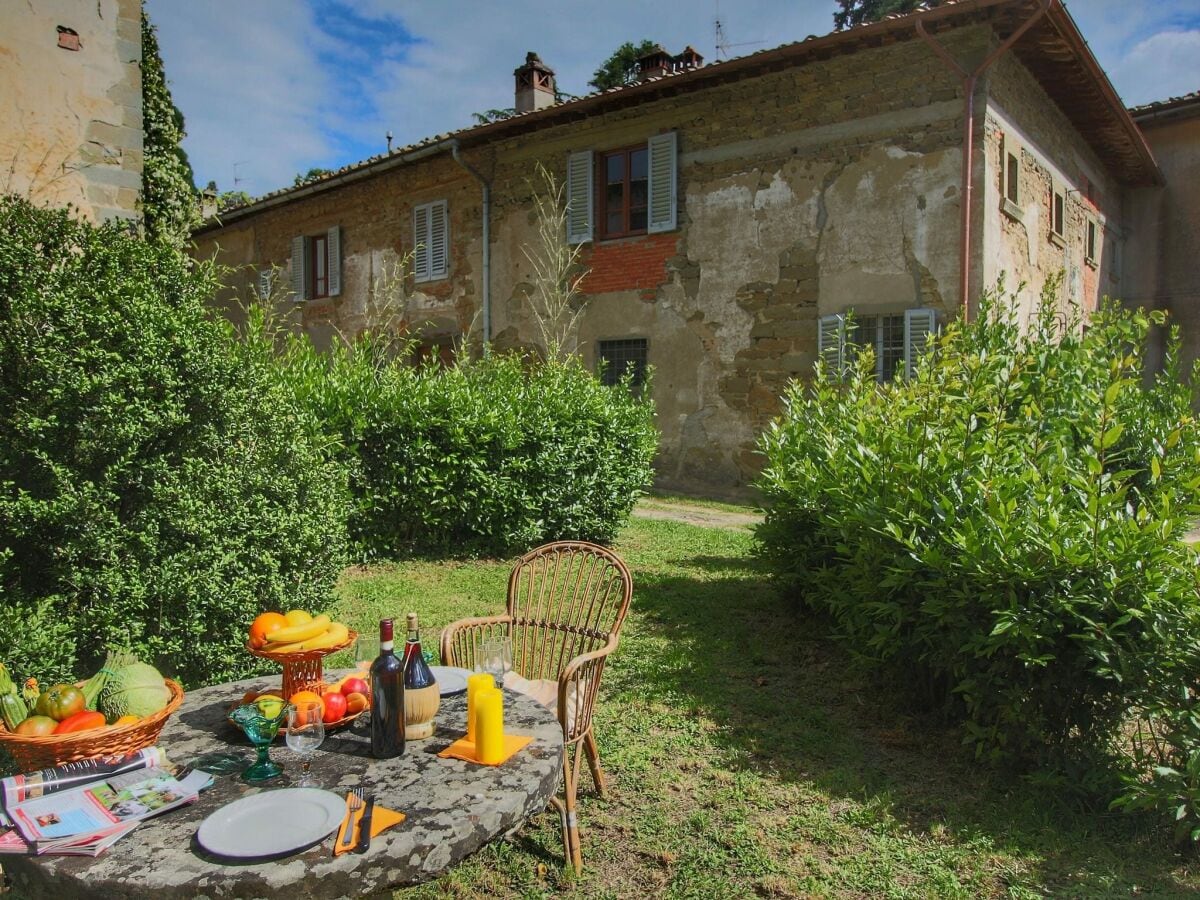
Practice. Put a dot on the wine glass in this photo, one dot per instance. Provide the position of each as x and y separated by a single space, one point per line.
305 732
495 657
260 728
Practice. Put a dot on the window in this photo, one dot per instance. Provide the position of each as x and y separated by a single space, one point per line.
1058 211
621 192
317 265
1012 177
618 357
898 340
1089 247
431 241
264 284
624 192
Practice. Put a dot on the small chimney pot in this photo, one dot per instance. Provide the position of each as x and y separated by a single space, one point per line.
534 85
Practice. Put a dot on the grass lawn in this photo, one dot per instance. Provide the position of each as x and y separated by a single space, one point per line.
744 758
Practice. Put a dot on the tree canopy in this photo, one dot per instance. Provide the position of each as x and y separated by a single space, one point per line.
170 207
314 172
861 12
621 67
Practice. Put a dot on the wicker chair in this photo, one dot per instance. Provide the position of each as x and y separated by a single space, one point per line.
566 604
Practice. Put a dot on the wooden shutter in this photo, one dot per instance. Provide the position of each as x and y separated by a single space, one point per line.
299 269
333 249
439 240
264 284
580 169
919 324
421 243
831 343
663 183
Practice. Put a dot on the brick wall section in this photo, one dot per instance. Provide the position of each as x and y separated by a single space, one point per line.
630 264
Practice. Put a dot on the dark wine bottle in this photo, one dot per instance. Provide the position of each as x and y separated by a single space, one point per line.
387 698
417 673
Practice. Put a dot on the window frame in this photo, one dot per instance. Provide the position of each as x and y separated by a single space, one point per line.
610 377
600 180
1010 177
835 344
1058 213
1091 241
318 285
424 271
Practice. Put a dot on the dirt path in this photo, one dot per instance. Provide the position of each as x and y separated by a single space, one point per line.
694 514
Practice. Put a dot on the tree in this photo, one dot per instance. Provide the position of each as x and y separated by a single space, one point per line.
621 67
315 172
169 202
863 12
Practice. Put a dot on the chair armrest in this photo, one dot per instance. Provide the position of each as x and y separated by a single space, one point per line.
578 686
460 639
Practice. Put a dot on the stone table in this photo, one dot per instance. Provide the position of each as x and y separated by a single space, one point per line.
453 809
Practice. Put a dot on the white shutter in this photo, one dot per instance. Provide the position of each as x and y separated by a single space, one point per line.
439 240
663 183
333 249
918 325
299 265
831 343
579 197
421 243
264 284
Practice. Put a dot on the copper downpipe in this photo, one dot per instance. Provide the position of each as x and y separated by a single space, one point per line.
969 82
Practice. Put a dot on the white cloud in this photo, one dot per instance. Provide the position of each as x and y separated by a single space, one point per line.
1161 66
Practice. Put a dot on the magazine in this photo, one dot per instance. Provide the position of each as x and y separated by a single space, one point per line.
19 788
89 818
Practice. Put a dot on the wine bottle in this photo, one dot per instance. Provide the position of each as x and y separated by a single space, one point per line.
422 696
387 698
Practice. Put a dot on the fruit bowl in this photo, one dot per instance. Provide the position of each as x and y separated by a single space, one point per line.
303 669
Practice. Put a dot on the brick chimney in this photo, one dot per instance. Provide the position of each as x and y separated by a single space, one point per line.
656 62
535 85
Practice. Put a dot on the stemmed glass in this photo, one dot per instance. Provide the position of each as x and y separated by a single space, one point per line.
495 657
305 732
261 729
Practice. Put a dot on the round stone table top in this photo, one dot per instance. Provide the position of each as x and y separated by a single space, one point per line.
453 808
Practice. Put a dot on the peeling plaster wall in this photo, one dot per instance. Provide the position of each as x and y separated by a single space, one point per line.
1017 243
71 120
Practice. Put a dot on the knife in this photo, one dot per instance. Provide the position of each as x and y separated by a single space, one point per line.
364 827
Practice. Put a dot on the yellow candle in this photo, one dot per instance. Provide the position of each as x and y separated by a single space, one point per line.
475 683
489 725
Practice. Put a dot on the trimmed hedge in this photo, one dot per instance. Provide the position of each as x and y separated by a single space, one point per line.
158 487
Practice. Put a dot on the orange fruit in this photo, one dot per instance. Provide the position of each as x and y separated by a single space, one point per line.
264 625
297 617
356 703
300 697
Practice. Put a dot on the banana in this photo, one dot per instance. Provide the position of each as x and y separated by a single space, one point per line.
336 634
297 633
294 647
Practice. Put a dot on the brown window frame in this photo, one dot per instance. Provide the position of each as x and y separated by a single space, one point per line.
318 287
601 192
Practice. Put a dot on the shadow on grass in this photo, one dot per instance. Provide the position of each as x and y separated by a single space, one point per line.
789 704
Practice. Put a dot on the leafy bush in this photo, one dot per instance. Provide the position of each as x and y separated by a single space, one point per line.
1003 531
158 488
489 456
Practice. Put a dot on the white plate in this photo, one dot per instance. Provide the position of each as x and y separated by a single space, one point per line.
450 679
272 823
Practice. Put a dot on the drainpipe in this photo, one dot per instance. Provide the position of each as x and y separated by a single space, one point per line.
487 242
969 82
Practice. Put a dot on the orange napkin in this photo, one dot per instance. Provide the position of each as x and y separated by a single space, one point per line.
382 819
464 749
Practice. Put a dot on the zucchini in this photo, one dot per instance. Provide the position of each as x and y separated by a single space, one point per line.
13 711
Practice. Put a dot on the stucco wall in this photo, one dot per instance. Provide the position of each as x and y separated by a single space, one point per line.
1017 243
71 120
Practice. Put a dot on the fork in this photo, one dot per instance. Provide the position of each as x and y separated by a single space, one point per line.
354 804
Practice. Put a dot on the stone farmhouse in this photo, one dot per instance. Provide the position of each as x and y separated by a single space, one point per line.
71 105
731 214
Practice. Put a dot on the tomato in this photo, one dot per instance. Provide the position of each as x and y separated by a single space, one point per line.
37 726
264 625
60 702
335 707
355 686
81 721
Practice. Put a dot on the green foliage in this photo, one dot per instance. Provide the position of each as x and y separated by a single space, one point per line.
157 487
230 199
864 12
483 457
310 175
1002 533
621 67
170 206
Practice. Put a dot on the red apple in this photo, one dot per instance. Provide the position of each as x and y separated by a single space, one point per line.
335 707
355 686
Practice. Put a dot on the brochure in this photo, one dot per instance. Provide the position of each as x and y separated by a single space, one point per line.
18 788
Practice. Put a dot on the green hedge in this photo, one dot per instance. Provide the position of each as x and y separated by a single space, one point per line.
1001 533
484 457
158 487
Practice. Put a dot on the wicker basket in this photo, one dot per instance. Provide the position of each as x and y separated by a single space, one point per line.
33 753
303 671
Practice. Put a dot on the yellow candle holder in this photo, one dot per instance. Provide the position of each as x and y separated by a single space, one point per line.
475 683
489 726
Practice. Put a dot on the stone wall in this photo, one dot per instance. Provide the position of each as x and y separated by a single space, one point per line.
71 105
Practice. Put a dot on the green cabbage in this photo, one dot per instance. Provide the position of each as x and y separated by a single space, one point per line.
133 690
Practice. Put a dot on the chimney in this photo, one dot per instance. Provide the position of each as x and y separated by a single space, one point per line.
688 59
656 62
535 85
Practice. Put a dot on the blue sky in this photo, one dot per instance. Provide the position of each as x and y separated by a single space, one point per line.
270 88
